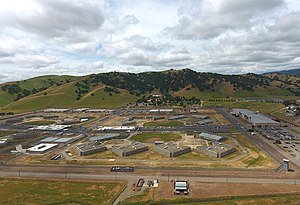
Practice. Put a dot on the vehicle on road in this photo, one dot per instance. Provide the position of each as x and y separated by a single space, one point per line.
122 169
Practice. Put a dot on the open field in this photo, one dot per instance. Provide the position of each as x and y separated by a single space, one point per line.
24 191
6 132
154 136
220 193
263 107
164 123
42 122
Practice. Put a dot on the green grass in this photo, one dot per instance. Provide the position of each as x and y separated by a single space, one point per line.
37 82
64 96
39 122
6 132
6 98
291 199
105 100
195 156
153 136
164 123
254 161
22 191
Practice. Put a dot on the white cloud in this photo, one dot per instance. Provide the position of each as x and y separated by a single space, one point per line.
76 37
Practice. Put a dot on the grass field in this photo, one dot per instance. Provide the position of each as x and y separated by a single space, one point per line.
6 132
23 191
42 122
164 123
291 199
97 98
153 136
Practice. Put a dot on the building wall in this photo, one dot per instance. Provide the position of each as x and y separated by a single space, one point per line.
91 151
135 151
214 153
226 152
162 151
181 152
117 150
204 150
167 153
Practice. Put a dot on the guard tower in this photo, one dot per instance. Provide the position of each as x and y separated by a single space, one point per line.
286 165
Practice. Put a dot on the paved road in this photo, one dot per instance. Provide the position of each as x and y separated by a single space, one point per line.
134 178
257 139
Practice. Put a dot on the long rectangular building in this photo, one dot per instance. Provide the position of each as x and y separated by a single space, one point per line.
131 149
171 149
211 137
217 150
86 149
255 118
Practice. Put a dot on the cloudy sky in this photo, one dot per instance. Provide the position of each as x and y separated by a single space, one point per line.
79 37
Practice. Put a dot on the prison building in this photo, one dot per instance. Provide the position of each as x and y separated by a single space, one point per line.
41 148
15 120
201 117
255 118
56 110
131 149
216 150
161 111
155 117
3 142
177 117
204 122
171 149
211 137
25 135
102 138
87 149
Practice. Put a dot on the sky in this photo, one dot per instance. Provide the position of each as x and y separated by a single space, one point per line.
79 37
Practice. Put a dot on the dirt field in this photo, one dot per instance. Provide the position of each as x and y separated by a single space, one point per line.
210 190
115 121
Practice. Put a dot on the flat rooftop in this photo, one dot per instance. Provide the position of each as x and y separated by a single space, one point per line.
132 146
116 128
254 117
171 147
103 137
89 147
50 127
56 110
41 147
210 136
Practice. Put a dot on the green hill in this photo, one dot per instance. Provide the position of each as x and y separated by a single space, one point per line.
117 89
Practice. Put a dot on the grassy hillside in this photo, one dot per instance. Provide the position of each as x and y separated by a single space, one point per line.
117 89
10 92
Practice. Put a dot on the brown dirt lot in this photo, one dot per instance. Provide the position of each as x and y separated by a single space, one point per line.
211 190
208 190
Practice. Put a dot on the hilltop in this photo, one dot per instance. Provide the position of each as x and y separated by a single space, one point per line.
117 89
288 72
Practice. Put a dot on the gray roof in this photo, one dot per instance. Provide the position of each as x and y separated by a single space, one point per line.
132 146
171 147
210 136
103 137
63 140
49 139
88 147
254 117
200 117
177 117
